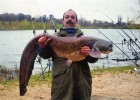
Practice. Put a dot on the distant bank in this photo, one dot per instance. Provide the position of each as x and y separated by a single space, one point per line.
27 25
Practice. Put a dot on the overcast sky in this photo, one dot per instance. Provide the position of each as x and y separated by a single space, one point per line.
88 9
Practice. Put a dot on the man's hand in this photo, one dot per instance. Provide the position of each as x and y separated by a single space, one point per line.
85 50
43 41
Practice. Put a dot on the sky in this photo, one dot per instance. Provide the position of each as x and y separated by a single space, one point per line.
88 9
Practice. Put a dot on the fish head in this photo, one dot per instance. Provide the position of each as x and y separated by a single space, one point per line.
103 46
100 47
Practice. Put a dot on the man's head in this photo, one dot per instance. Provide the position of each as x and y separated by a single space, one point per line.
69 19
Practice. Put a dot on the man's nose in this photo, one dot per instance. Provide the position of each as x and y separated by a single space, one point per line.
69 18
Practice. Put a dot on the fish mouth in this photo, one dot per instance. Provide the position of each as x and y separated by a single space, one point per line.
108 49
106 52
104 47
96 52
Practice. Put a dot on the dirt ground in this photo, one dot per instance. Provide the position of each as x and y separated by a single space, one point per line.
104 87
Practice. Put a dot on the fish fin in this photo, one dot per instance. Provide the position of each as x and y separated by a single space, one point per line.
94 53
68 63
27 64
23 90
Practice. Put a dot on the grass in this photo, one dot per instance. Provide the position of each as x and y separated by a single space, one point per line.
35 80
112 70
8 84
24 25
32 82
38 79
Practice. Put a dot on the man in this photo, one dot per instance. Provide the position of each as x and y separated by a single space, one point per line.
73 82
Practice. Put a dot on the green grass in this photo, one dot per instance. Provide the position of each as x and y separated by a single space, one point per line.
38 79
24 25
8 84
48 77
112 70
32 82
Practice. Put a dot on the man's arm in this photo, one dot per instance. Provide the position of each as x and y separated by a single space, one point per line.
91 59
43 50
85 50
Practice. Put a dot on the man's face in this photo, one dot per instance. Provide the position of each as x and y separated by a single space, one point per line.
69 19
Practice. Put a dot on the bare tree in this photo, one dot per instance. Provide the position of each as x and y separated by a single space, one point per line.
119 19
137 16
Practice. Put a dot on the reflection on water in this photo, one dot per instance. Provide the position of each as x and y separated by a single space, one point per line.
12 44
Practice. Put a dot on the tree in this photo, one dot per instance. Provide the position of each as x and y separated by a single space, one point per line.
119 20
137 18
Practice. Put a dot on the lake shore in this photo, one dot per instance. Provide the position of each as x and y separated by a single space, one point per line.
121 86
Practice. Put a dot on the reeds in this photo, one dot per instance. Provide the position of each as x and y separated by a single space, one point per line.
8 73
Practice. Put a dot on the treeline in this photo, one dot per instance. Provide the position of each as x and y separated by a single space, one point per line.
20 17
82 22
103 24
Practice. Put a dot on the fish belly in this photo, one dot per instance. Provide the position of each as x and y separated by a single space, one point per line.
74 56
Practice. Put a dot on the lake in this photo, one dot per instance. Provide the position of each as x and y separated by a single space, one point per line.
13 42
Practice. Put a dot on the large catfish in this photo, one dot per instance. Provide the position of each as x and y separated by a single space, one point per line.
66 47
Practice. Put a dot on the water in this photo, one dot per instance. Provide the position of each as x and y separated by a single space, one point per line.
117 36
12 44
